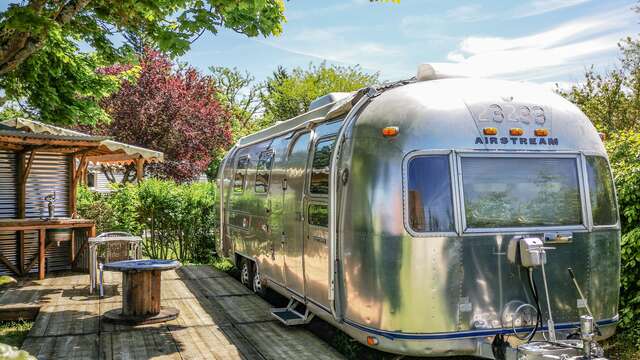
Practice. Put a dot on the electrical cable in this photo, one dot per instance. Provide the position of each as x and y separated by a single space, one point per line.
534 291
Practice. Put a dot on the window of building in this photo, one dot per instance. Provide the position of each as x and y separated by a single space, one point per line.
263 171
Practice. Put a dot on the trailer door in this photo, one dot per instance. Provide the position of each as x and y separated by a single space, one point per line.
293 213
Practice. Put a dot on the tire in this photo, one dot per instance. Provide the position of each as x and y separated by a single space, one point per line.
247 273
258 285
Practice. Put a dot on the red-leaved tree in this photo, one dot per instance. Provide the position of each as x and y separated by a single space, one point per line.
170 109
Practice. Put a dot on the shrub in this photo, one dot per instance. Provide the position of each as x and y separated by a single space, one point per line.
177 221
624 149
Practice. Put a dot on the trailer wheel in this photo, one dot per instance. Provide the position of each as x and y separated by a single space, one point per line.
246 273
258 283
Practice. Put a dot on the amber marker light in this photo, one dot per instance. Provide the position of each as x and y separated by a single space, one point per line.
490 131
390 131
516 132
541 132
371 341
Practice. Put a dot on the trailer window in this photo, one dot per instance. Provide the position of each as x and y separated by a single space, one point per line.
318 215
263 171
429 194
240 177
319 183
521 192
603 203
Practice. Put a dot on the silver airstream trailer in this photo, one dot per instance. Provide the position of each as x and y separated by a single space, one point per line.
435 216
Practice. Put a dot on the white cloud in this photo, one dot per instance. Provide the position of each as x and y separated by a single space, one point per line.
560 49
332 44
468 13
538 7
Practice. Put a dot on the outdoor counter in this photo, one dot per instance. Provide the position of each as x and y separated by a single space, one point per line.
42 225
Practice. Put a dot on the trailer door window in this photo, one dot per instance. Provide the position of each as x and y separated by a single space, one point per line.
318 215
263 171
429 194
319 183
240 177
521 192
603 203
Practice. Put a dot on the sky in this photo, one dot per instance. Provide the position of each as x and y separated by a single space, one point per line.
542 41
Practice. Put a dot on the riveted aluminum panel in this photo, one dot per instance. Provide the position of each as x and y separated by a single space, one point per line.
8 197
49 174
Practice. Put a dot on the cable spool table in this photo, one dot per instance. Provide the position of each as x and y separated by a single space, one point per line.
141 283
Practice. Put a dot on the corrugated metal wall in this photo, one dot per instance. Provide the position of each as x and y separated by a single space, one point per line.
102 184
49 173
8 198
8 206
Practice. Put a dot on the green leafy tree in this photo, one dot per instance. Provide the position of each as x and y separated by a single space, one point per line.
612 99
288 94
42 66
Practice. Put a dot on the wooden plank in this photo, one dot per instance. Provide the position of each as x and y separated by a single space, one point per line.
77 256
21 254
276 341
71 204
245 309
219 286
9 265
78 347
211 342
30 141
147 343
19 312
27 169
68 318
199 272
139 169
41 252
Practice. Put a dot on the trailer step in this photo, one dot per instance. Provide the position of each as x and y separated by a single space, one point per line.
290 316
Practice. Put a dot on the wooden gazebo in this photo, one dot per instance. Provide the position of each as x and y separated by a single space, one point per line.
37 160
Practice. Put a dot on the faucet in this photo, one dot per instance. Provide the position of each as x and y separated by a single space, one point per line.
51 204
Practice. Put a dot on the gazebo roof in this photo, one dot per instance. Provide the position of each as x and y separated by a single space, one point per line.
24 134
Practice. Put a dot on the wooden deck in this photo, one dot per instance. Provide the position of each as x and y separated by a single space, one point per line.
219 319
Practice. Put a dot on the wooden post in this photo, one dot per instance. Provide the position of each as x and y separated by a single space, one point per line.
139 170
23 168
41 253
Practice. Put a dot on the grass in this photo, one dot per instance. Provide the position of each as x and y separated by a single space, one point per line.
5 280
222 264
14 332
621 347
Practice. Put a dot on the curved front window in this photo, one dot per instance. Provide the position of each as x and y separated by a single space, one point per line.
429 194
511 192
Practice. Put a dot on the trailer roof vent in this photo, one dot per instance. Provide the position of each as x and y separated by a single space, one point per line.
428 72
328 99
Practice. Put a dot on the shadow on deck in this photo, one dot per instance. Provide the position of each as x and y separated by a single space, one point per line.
219 319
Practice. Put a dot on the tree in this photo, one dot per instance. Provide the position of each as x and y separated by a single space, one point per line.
288 94
173 110
612 100
41 64
239 92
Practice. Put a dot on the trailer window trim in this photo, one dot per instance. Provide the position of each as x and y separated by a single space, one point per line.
449 154
238 171
327 138
580 184
267 155
613 195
